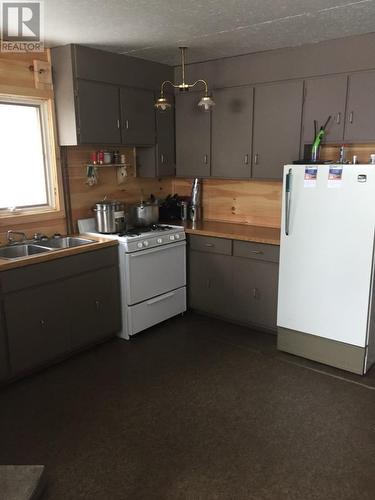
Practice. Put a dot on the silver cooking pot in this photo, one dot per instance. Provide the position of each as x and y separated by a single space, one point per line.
109 216
143 214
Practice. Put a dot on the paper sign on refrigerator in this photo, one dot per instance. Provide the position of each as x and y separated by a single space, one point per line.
335 177
311 173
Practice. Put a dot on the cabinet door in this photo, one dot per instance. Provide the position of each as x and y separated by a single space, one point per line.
4 367
210 283
98 113
137 117
255 293
360 123
232 120
277 128
165 138
324 97
192 137
37 325
95 305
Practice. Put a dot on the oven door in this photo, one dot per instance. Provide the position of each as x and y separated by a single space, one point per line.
152 272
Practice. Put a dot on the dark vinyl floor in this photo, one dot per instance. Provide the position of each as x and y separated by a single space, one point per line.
198 409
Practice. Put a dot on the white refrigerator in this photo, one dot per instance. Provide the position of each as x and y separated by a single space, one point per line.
326 302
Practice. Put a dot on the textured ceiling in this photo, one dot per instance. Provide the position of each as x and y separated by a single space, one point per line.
153 29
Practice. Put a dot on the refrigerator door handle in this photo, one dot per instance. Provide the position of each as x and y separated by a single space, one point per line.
288 180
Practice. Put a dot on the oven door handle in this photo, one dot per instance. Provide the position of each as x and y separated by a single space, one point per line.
158 249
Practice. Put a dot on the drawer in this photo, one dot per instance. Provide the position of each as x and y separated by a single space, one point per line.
259 251
156 310
210 244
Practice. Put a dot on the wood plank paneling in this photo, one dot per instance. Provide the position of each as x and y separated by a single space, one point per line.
257 203
84 197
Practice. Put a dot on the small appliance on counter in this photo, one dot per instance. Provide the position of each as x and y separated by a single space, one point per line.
174 208
196 202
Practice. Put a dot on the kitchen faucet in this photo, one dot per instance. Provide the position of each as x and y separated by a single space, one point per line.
11 239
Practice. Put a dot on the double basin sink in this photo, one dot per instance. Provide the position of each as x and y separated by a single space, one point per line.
19 250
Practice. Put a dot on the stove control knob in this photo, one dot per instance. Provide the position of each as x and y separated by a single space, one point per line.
177 236
171 237
159 240
140 244
145 243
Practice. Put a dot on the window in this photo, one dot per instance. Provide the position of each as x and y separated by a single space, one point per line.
27 168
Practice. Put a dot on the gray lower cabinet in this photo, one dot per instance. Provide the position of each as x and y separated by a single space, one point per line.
255 292
210 282
95 314
234 280
37 327
98 113
232 120
4 365
57 307
360 123
193 137
324 97
277 128
137 117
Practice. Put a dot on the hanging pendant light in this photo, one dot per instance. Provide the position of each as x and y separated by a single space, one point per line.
206 101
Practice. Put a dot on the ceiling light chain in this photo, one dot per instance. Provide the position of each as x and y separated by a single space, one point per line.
206 101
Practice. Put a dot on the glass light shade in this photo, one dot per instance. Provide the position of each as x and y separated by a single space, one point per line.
162 104
206 102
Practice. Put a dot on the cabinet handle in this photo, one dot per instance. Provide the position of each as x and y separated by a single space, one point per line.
127 124
208 282
118 123
338 118
97 305
209 245
42 323
205 159
255 293
162 158
246 159
257 252
351 115
256 159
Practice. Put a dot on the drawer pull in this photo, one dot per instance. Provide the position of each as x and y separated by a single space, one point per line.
209 245
257 252
160 299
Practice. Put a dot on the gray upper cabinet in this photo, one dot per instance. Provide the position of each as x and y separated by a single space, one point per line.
165 138
277 128
232 120
160 160
324 97
86 82
193 132
137 117
360 123
98 114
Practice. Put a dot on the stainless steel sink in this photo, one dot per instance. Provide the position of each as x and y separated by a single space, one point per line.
17 251
65 242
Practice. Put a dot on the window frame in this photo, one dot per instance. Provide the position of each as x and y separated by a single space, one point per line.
46 116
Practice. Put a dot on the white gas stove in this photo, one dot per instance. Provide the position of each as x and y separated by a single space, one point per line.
153 273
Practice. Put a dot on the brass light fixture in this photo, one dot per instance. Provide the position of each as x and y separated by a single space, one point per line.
206 101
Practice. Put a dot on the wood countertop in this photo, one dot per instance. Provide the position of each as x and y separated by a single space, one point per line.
242 232
98 243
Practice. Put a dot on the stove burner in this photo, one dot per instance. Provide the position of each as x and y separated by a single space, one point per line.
138 231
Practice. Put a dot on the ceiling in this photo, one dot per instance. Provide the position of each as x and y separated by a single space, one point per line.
153 29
